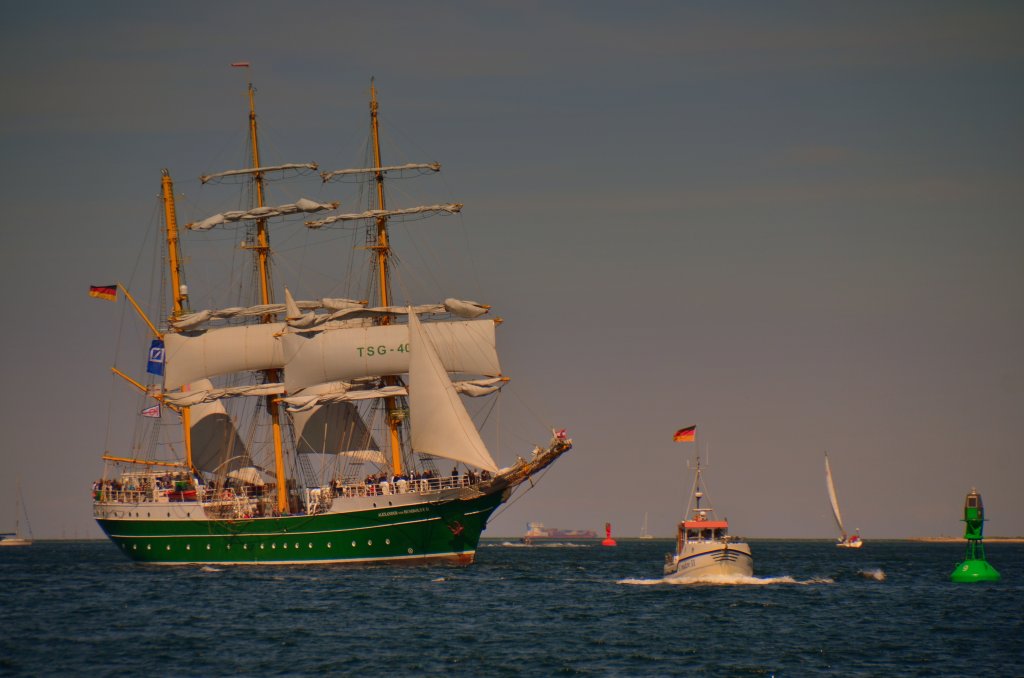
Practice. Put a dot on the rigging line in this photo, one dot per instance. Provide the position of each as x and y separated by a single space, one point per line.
534 481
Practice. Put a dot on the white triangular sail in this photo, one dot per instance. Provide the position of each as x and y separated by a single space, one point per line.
441 426
833 499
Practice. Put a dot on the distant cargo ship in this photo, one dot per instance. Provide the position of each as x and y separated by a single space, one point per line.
537 532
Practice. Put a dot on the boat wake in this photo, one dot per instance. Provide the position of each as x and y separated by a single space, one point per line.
726 580
877 574
208 568
519 544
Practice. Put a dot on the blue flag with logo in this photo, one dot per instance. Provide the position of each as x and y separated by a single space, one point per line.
156 358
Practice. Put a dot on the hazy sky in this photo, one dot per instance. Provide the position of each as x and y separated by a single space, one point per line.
795 225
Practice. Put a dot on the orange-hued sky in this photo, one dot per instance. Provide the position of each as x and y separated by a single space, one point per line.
796 225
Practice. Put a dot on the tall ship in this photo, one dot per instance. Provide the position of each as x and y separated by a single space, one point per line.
315 429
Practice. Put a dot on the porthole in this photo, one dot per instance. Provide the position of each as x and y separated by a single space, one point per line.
296 545
285 545
228 547
410 551
245 547
188 547
148 547
262 546
309 545
387 541
353 544
208 547
135 548
273 546
168 547
328 544
369 542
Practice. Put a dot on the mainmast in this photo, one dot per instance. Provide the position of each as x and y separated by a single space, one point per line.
178 290
262 253
383 250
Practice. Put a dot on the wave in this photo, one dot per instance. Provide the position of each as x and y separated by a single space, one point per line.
876 573
545 545
209 568
727 580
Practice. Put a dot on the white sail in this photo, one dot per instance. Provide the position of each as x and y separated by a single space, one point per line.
312 166
216 445
432 166
451 208
223 350
833 499
439 421
302 205
348 353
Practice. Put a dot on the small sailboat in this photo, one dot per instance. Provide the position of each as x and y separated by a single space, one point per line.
703 544
849 541
643 529
16 538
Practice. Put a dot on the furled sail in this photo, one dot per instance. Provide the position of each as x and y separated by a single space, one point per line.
216 446
432 166
302 205
450 208
833 499
342 392
223 350
193 320
348 353
311 321
312 166
440 425
479 387
195 396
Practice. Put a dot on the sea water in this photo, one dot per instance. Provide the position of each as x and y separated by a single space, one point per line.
81 608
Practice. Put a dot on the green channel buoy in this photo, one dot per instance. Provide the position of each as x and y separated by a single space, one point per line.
974 567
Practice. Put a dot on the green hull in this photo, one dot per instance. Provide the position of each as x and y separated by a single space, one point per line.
430 531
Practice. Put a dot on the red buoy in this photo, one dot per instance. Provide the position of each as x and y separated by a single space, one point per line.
608 541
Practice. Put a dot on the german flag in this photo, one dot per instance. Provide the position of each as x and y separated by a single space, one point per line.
108 292
685 435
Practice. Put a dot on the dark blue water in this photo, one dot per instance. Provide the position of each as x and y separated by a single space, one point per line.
80 608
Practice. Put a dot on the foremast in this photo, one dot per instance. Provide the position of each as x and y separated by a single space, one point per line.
179 293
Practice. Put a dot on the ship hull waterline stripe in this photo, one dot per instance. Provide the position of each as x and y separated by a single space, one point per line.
273 535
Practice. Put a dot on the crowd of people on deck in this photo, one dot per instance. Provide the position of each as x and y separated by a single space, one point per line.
377 484
183 486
